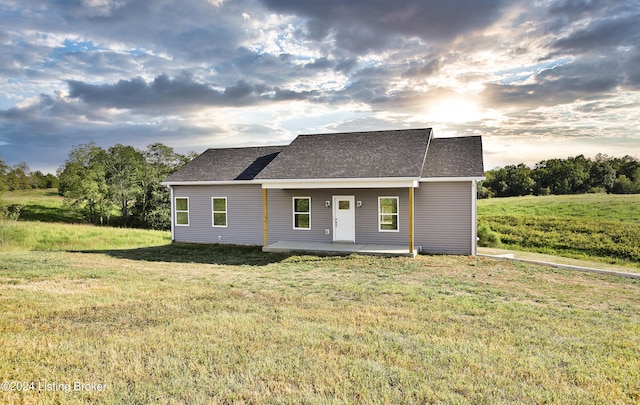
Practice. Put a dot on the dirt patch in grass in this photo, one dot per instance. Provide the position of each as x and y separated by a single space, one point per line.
56 286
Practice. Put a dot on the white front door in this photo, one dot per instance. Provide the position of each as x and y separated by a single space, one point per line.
344 218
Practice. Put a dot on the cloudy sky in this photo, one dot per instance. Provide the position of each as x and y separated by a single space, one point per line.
537 78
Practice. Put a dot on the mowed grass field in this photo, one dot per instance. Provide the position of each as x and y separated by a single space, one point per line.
591 226
202 324
40 205
138 320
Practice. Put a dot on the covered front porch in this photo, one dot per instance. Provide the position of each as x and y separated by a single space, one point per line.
339 248
336 217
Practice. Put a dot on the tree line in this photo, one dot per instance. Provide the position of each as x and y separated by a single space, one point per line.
20 177
120 180
573 175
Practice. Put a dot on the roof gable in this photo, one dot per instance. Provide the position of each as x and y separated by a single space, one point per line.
378 154
226 164
454 157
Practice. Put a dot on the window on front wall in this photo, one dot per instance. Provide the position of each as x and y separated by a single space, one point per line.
182 211
219 207
388 214
301 212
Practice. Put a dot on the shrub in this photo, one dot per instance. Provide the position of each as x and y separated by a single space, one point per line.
487 237
8 216
543 191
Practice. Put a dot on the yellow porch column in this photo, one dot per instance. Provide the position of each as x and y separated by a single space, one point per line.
265 217
411 220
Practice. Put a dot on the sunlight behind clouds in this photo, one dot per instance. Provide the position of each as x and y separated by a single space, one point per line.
453 110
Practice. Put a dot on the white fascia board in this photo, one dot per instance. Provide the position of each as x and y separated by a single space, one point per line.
449 179
391 182
209 183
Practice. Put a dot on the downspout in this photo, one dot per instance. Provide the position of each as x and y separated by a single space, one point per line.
265 217
474 217
173 234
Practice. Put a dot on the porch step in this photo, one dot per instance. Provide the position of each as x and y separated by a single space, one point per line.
339 248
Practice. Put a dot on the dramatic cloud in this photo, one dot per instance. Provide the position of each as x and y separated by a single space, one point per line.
537 79
362 25
560 85
177 94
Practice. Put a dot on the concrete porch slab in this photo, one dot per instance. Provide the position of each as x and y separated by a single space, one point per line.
339 248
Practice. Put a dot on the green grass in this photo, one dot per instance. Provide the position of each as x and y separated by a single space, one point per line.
25 235
600 227
40 205
605 207
306 329
45 225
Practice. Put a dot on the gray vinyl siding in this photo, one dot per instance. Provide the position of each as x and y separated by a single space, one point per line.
281 216
367 217
444 217
244 214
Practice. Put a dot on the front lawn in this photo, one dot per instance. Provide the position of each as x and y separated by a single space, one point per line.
203 324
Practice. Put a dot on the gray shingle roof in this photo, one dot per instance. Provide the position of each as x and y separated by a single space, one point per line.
227 164
376 154
454 157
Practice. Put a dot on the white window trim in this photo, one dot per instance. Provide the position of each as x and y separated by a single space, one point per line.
213 212
397 214
175 219
293 208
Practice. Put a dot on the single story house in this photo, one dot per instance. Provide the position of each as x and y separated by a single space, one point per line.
399 191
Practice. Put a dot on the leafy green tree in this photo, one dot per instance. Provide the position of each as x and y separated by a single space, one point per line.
625 185
573 175
579 168
495 183
123 166
37 180
51 181
519 180
602 175
630 168
563 176
83 183
18 177
97 181
153 205
510 181
4 169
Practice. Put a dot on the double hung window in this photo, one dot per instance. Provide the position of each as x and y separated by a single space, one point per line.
388 214
301 212
219 211
182 211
